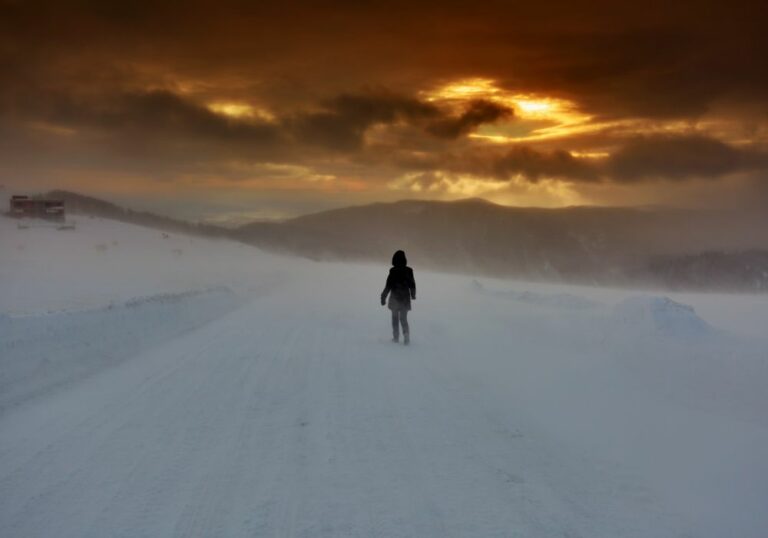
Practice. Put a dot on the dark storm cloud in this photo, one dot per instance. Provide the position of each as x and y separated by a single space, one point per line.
680 157
164 111
647 158
161 113
477 113
343 121
340 123
155 132
628 58
522 161
166 130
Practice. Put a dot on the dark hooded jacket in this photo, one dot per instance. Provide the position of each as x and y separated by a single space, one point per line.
400 286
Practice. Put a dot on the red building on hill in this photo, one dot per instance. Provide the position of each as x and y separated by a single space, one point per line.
26 207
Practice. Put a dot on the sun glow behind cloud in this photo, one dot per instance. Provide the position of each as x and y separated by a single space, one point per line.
242 111
517 191
549 117
532 107
469 88
536 118
461 185
542 118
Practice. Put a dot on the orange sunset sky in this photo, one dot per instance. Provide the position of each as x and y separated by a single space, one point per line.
230 111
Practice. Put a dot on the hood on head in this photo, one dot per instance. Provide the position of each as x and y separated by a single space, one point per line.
399 260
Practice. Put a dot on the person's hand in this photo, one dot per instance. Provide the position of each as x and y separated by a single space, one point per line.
383 301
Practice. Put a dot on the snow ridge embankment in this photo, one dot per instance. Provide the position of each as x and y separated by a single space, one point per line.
660 316
41 352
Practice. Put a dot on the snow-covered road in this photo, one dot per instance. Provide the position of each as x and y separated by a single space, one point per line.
271 422
531 414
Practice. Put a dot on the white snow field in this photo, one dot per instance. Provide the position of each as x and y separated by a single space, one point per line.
174 386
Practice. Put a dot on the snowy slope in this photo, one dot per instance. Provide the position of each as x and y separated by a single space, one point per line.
104 261
519 409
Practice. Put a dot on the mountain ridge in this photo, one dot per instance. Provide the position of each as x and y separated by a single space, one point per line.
582 244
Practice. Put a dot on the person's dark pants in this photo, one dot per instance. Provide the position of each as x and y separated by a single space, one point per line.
399 317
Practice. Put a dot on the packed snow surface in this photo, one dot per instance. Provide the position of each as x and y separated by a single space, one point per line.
162 385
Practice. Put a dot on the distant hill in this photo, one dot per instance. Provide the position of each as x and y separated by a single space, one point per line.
577 244
597 245
86 205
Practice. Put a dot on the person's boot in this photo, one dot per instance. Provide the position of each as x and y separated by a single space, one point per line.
396 338
406 339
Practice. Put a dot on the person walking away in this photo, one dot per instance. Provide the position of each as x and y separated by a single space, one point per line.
401 288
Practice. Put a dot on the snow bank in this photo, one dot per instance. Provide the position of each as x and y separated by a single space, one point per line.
661 316
40 352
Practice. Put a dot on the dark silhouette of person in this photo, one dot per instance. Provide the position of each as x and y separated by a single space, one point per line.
401 288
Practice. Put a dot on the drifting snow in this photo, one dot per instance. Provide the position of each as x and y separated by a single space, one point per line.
558 300
293 415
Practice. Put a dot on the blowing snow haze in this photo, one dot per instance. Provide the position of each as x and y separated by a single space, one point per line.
232 111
